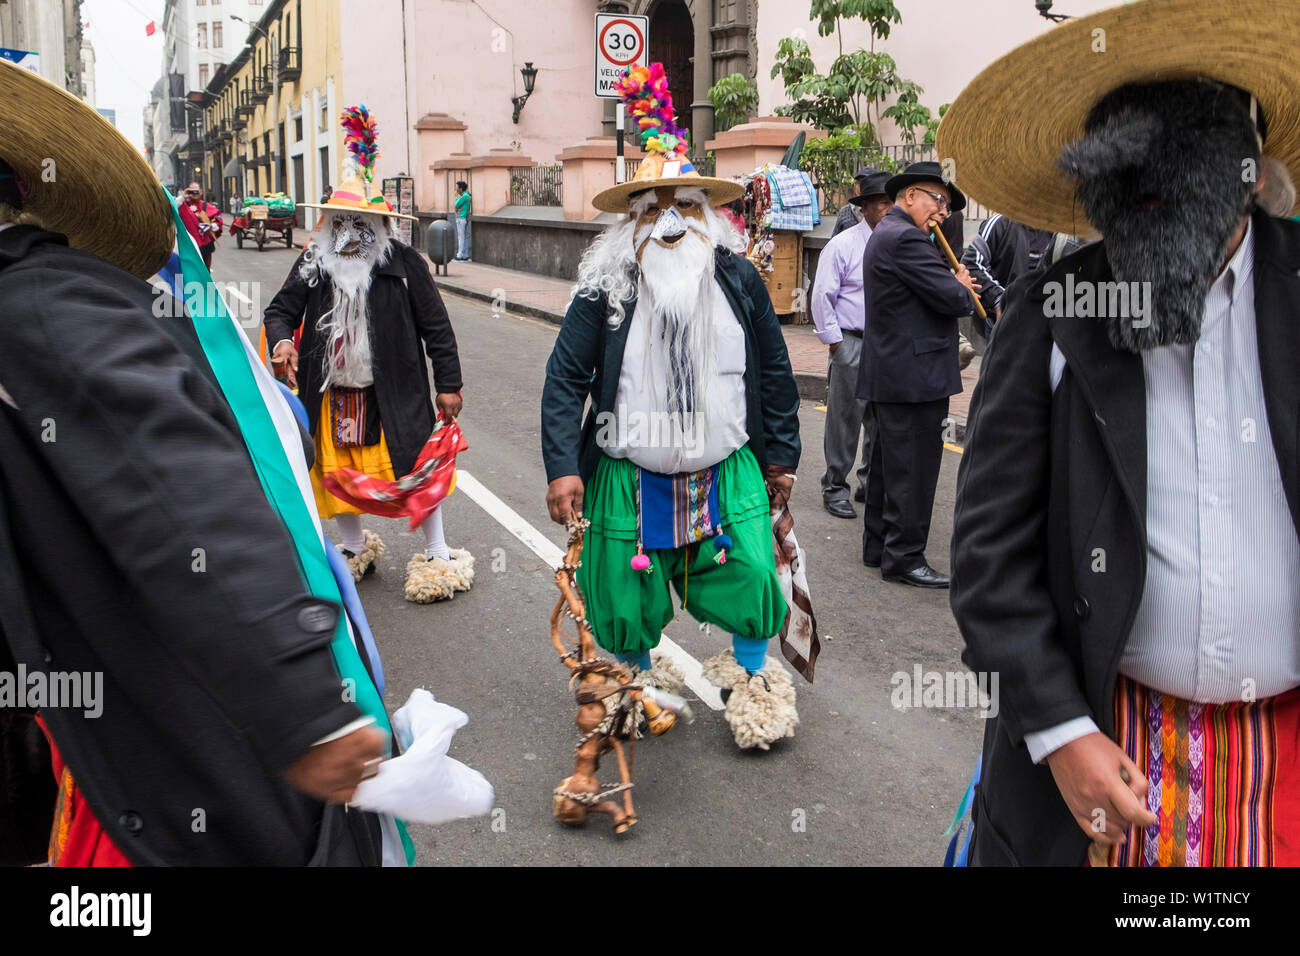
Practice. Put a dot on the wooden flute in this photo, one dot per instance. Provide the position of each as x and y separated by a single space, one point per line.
955 265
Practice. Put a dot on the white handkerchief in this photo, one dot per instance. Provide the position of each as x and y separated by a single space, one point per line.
424 785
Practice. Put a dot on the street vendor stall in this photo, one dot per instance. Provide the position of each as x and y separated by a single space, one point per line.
780 206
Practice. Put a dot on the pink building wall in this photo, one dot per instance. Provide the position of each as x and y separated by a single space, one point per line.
941 44
463 59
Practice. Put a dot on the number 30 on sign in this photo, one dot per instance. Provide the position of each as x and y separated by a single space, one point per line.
622 42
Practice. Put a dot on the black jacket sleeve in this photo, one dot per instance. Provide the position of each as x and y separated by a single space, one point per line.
137 437
284 313
999 591
922 269
778 392
980 257
433 323
569 374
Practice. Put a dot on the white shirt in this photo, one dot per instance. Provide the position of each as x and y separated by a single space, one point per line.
642 431
1220 614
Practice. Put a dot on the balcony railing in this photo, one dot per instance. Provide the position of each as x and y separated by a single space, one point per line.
536 185
290 66
246 106
262 87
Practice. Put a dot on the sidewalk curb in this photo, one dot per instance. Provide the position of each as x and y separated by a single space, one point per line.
532 311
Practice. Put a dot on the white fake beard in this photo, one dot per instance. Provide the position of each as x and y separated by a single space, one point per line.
346 327
676 297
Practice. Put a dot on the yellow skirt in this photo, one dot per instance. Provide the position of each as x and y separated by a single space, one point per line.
371 460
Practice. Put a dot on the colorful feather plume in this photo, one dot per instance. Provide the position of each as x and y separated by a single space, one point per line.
359 136
644 91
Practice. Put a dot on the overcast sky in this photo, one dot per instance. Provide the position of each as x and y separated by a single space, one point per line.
127 63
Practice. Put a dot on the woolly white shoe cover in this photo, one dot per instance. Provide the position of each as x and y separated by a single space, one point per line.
438 580
663 675
759 713
370 555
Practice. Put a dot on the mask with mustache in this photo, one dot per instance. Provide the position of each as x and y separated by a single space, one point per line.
1161 175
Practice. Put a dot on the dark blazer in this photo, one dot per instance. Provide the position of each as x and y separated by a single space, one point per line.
119 461
588 356
405 311
1046 478
909 346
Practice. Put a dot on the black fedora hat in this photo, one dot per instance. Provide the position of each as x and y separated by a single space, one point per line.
869 187
927 172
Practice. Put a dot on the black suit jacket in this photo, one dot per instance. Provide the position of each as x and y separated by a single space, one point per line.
588 356
406 314
1047 477
119 460
909 345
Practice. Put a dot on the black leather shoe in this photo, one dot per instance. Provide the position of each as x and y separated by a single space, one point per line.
860 496
840 509
922 577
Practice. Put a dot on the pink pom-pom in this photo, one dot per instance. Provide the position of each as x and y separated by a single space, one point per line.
640 562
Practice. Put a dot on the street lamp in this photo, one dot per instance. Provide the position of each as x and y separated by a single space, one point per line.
530 79
275 101
1044 9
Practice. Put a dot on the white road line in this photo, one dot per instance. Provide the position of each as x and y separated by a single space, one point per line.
553 555
230 287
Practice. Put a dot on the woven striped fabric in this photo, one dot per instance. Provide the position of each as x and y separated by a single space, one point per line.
677 510
348 416
1223 779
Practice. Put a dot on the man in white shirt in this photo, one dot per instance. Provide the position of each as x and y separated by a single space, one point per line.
1125 544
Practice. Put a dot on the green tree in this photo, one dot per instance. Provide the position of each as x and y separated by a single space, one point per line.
734 98
857 82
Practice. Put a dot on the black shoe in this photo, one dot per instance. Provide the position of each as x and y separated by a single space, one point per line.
860 496
922 577
840 509
875 563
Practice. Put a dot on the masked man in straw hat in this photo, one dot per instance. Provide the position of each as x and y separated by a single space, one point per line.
1125 552
370 311
143 573
693 424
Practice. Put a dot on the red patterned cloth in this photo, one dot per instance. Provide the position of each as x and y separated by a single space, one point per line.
1224 779
415 495
76 838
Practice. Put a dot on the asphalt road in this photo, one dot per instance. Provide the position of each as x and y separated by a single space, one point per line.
860 783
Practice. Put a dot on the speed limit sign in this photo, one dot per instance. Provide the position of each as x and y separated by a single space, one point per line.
622 42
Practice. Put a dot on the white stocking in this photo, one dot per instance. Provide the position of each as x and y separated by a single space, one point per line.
350 529
437 542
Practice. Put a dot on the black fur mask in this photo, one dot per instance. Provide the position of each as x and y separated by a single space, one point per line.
1163 175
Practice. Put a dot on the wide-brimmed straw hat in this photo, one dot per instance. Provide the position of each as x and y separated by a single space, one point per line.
1007 128
80 175
657 170
353 195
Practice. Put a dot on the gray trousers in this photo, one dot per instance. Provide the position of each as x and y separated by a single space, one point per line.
847 416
